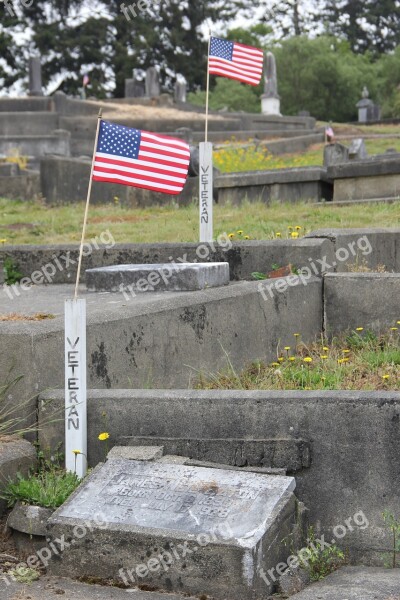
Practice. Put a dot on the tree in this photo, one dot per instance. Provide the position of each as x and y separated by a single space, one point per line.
101 38
291 17
322 76
230 94
368 25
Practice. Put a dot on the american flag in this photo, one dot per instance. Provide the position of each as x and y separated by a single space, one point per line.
141 159
236 61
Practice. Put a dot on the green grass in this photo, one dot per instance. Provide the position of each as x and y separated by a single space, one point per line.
358 361
170 223
49 489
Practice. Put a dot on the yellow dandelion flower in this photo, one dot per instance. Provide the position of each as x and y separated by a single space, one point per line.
340 361
345 351
345 360
360 329
324 356
307 388
278 234
292 358
290 228
307 359
281 359
385 376
239 232
296 334
76 452
294 234
298 227
394 329
275 364
231 235
287 347
398 322
3 240
325 348
104 436
246 237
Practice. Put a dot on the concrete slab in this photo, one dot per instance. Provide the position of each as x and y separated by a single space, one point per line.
53 588
355 583
176 528
341 430
354 300
172 277
136 452
154 340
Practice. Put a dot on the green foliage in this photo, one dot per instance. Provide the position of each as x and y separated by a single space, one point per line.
393 524
11 272
372 365
368 25
323 76
322 561
49 488
108 45
359 340
24 575
230 94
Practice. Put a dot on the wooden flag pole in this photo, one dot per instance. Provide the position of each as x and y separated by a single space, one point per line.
87 205
208 83
206 172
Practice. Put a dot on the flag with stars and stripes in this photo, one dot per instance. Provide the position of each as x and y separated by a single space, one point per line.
236 61
141 159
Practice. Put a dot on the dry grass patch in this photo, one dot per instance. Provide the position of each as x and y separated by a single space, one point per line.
18 317
359 360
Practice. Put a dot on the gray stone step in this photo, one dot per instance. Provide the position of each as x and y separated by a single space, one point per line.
355 583
51 588
172 277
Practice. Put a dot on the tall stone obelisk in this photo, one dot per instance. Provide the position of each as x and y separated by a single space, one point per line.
270 100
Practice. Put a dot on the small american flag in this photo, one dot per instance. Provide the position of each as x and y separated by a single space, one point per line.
236 61
141 159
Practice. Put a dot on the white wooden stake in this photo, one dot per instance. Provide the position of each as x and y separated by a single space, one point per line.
75 387
206 192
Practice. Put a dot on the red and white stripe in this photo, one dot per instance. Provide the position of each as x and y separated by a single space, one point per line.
246 64
162 165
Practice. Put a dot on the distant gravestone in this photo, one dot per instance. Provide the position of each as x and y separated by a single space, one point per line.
186 134
152 82
270 100
180 91
358 150
134 88
177 528
35 76
367 110
335 154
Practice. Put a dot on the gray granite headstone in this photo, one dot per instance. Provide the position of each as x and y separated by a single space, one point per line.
177 528
270 100
180 91
358 150
335 154
35 76
135 87
170 277
152 82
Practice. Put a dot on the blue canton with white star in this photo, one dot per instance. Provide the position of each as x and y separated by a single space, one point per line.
221 48
119 140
